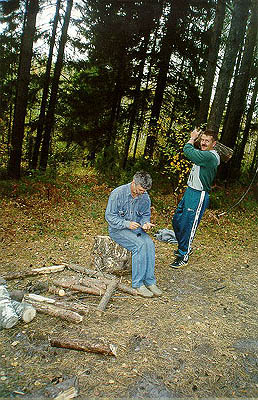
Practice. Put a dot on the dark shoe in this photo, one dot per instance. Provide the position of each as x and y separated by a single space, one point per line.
179 262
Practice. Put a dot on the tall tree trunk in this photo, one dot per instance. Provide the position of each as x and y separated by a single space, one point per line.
237 103
43 106
144 97
237 31
116 102
254 163
178 11
237 160
212 63
179 77
50 117
236 72
135 105
23 79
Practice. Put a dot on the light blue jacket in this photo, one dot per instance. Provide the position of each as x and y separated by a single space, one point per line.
122 208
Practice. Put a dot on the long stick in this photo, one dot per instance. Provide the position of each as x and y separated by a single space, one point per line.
80 344
111 288
104 277
79 308
79 288
54 311
33 272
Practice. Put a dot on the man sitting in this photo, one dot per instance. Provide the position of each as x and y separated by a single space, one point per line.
128 215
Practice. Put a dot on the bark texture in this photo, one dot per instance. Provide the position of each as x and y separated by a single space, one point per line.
109 256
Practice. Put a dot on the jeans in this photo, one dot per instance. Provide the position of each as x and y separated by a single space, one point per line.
143 254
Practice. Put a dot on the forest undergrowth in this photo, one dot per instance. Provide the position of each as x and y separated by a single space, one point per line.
199 340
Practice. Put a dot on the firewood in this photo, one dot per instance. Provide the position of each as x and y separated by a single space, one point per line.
57 291
33 272
103 277
25 311
83 345
87 271
55 311
93 282
79 288
111 288
79 308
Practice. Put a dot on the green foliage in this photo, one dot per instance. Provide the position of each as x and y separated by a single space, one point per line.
169 152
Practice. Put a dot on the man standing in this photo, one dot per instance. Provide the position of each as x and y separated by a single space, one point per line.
128 216
196 197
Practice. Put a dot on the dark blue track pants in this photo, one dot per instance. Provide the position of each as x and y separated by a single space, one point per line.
187 218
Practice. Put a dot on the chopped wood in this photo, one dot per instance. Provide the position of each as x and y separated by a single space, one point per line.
83 345
79 288
57 291
87 271
93 282
77 307
33 272
104 277
25 311
55 311
111 288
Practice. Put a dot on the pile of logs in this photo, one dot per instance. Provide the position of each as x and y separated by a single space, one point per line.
86 281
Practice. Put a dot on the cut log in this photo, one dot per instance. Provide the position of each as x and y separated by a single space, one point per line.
33 272
79 288
103 277
109 256
93 282
79 308
25 311
58 312
8 316
83 345
111 288
54 290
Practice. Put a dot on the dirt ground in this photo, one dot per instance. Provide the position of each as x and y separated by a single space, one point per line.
199 340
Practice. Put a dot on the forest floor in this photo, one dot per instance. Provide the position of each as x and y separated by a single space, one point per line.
199 340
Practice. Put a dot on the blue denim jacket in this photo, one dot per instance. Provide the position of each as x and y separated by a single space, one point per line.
122 208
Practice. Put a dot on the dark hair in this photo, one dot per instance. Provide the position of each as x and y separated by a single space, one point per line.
210 132
143 178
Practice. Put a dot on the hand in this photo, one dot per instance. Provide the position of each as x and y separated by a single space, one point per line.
134 225
147 226
195 133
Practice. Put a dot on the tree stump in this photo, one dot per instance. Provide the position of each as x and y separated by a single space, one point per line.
109 256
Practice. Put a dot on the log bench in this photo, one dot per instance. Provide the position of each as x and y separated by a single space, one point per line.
109 256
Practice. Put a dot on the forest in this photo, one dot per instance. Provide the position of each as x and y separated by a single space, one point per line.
118 85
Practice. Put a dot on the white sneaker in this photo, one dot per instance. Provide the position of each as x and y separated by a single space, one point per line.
155 290
143 291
